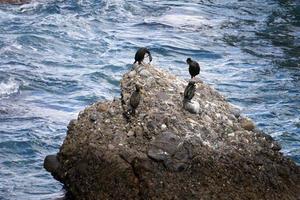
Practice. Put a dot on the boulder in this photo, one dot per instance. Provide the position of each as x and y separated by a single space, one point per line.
166 152
14 1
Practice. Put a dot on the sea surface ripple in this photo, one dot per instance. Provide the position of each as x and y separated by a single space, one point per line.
56 57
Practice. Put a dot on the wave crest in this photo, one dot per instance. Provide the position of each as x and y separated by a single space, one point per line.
9 87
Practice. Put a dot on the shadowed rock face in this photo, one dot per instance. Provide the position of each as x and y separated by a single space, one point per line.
166 152
14 1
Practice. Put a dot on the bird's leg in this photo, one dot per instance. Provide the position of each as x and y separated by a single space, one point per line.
126 115
133 112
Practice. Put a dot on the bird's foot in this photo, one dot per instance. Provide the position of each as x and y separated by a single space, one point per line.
126 115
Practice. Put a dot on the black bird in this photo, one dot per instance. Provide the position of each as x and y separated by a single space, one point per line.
140 54
135 98
194 67
189 91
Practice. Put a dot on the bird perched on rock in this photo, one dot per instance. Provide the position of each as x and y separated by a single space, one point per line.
135 99
189 91
140 54
194 67
188 104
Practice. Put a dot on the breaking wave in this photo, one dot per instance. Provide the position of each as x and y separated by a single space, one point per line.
9 87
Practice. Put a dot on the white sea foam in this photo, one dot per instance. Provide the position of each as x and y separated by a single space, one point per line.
179 20
9 87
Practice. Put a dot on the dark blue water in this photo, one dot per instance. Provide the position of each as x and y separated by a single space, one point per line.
56 57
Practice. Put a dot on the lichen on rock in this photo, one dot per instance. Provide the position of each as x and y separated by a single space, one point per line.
166 152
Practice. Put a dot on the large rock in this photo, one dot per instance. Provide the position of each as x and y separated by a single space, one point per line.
14 1
166 152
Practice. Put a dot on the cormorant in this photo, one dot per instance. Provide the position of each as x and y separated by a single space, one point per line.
140 54
189 91
135 98
188 103
194 67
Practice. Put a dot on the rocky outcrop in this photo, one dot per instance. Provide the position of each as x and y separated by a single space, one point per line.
166 152
14 1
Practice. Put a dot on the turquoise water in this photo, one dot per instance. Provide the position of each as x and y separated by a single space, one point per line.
56 57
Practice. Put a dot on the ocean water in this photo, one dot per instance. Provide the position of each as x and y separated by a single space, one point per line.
56 57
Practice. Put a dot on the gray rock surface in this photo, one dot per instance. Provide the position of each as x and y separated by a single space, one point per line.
14 1
192 106
166 152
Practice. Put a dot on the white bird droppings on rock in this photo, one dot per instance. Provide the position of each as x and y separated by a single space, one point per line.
163 127
231 134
